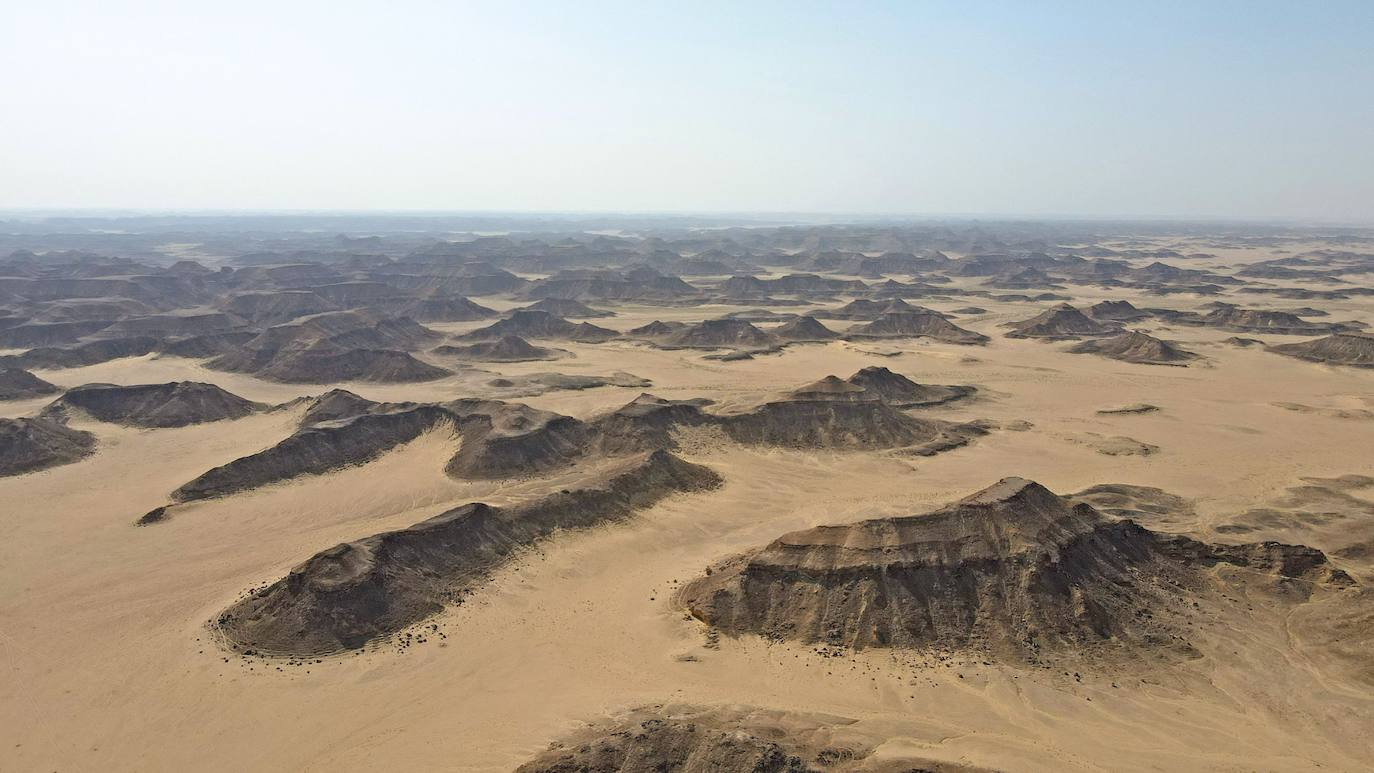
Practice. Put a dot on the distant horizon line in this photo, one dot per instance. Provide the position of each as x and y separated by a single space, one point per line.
837 217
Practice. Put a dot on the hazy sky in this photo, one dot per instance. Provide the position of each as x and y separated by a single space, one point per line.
1249 109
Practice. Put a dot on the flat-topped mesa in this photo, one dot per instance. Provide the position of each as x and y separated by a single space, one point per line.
841 425
655 330
1061 322
1013 571
1137 347
322 362
506 440
1355 350
338 346
439 306
30 445
568 308
896 389
275 307
509 348
646 423
865 310
176 324
202 347
354 593
335 404
1116 311
916 324
81 355
1240 320
154 406
879 383
528 323
19 384
718 334
802 329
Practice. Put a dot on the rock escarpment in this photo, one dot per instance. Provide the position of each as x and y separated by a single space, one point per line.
1355 350
1011 571
1061 322
1136 347
19 384
30 445
176 404
353 593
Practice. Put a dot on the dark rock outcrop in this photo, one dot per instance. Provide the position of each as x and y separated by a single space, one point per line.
340 346
29 445
916 324
692 739
1061 322
804 329
504 349
1240 320
176 404
1355 350
568 309
879 383
719 334
541 324
19 384
1116 311
357 592
1136 347
1011 571
318 448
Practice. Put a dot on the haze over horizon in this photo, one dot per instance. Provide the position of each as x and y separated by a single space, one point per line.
1232 110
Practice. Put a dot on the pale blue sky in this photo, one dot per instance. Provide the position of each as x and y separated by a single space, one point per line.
1223 109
